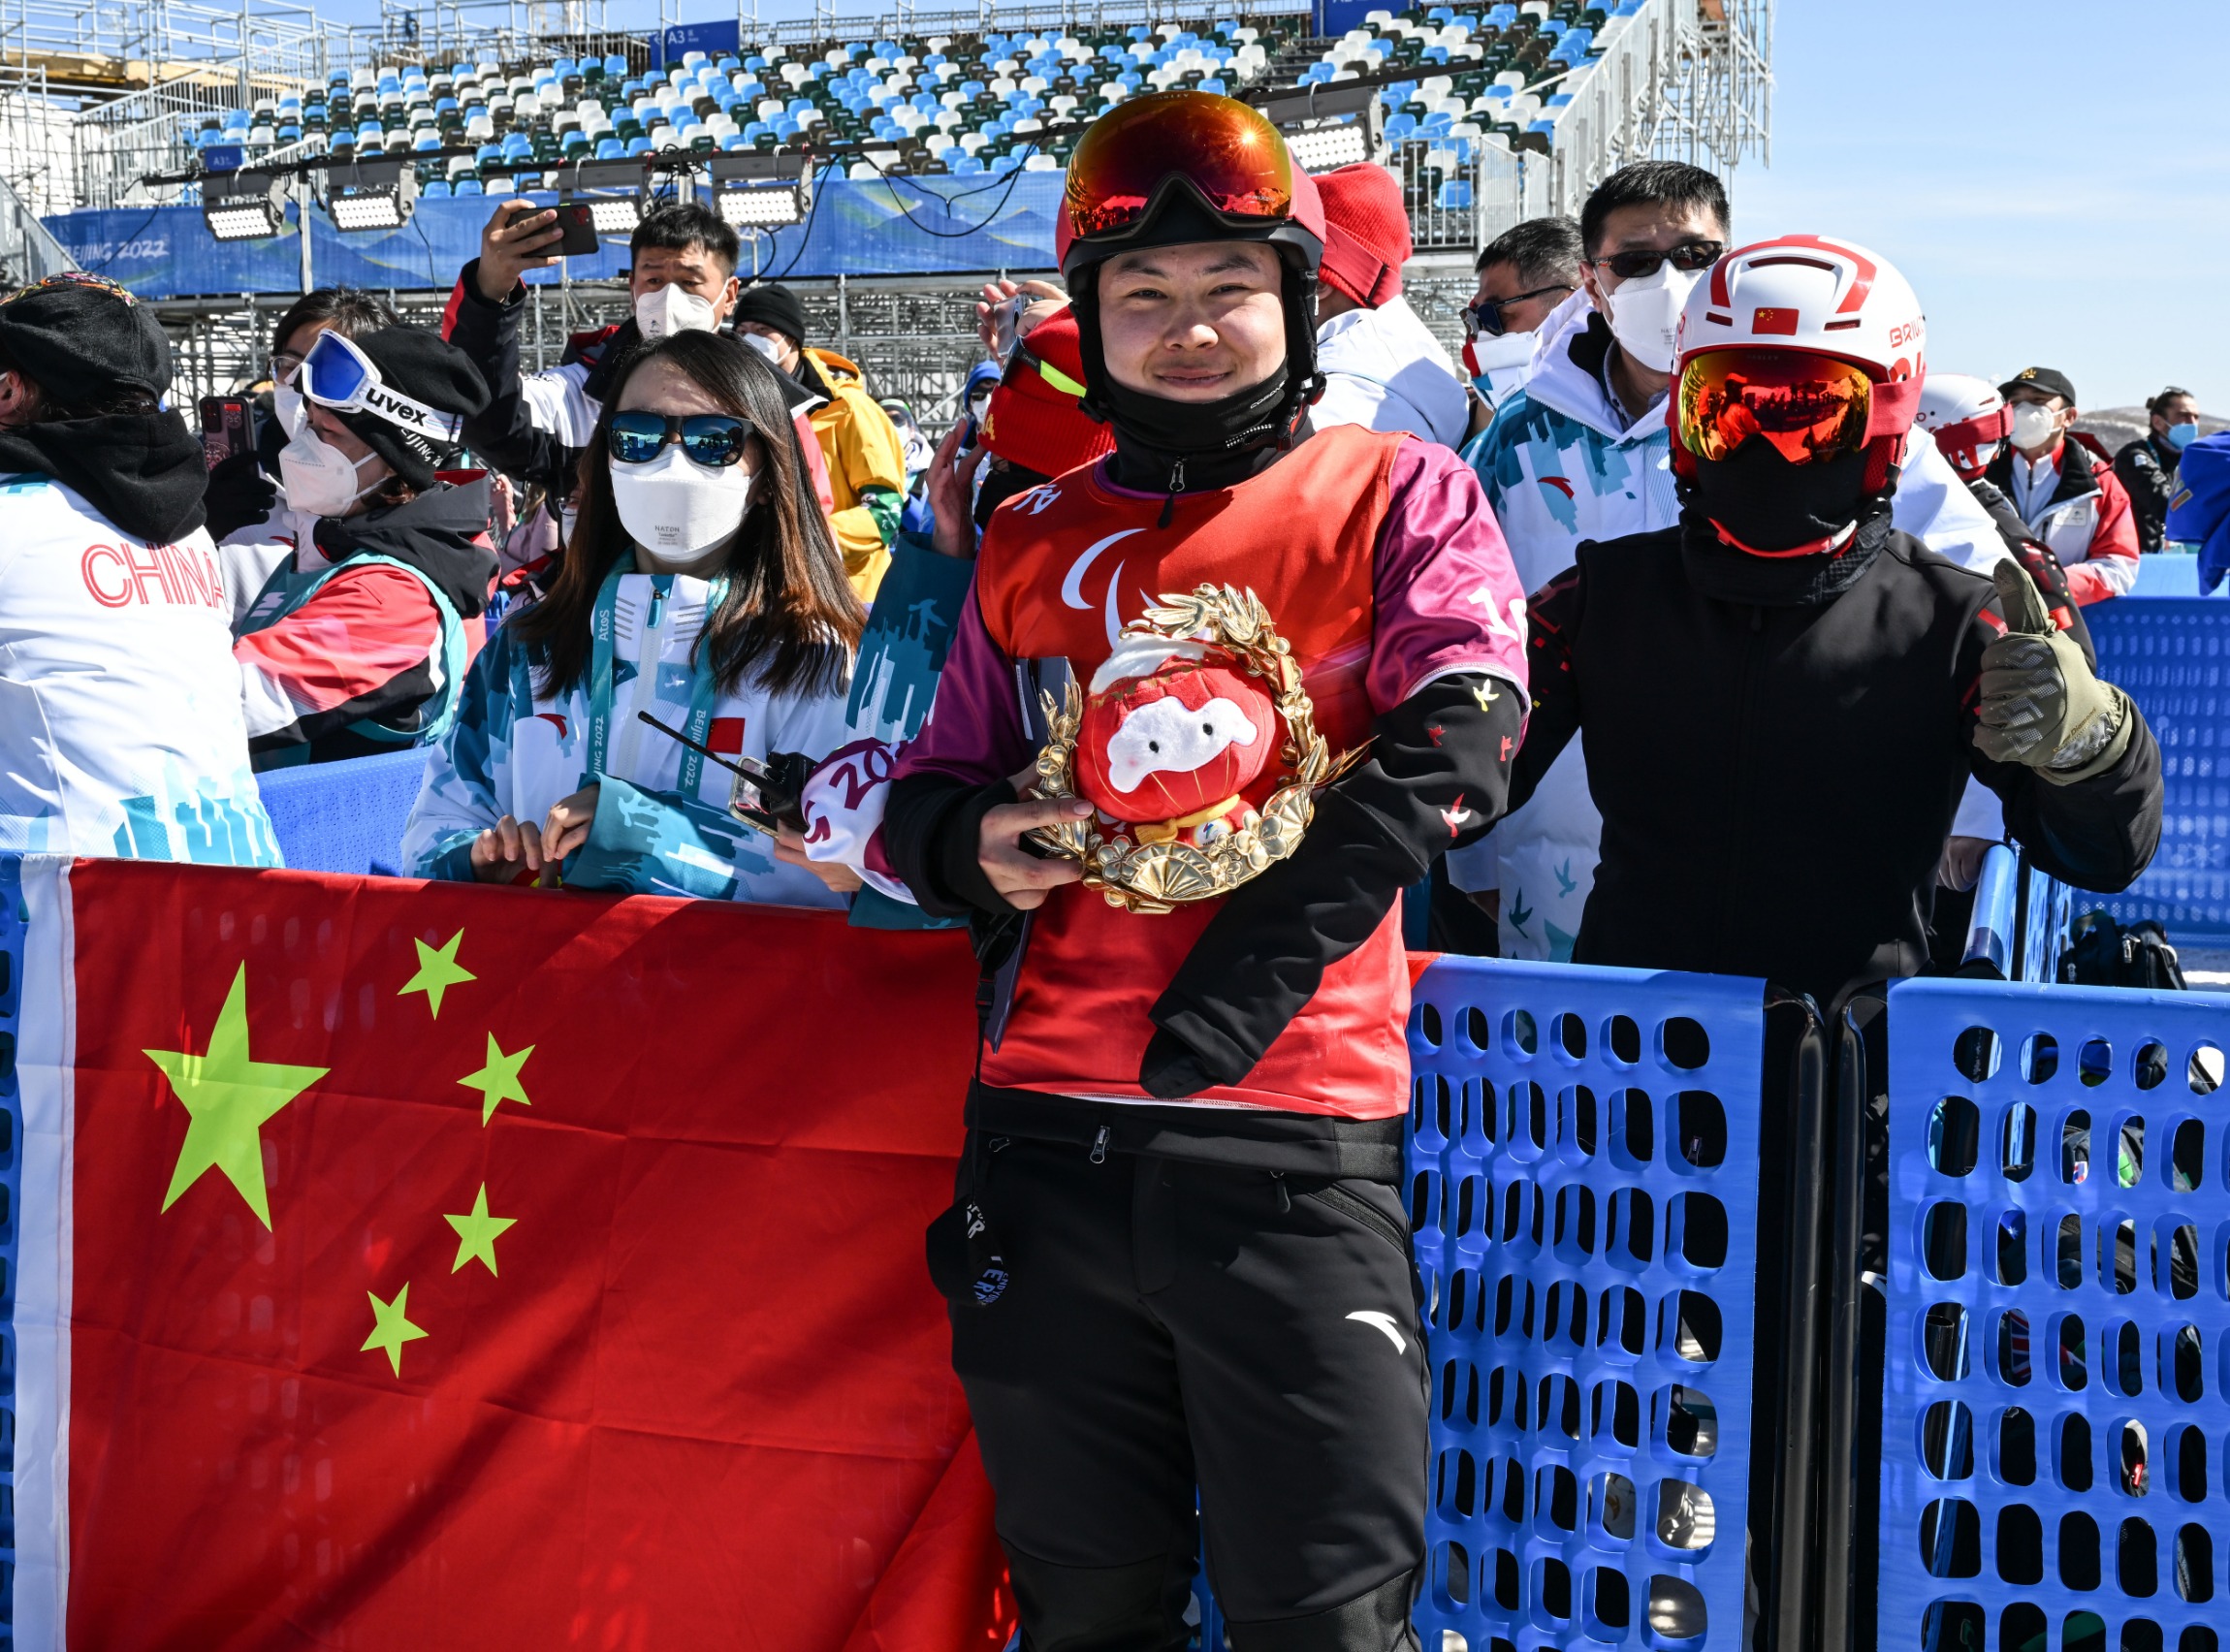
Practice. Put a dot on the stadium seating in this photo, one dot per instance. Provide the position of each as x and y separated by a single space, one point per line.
924 104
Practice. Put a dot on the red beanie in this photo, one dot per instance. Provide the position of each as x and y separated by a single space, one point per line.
1034 420
1366 239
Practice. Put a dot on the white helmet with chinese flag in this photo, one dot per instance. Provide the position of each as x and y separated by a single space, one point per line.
1816 345
1968 418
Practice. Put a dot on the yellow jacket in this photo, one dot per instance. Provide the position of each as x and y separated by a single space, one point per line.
867 470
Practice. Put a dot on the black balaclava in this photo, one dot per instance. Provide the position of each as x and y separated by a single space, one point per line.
1757 530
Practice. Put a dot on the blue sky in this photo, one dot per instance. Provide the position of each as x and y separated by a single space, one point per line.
2051 176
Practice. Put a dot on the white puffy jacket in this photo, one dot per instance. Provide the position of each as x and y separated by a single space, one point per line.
1384 370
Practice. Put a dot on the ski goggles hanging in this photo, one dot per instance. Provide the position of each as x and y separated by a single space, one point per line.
335 374
1226 151
1809 407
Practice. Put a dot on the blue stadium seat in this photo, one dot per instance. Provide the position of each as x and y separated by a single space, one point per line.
611 149
1400 126
638 146
615 66
1455 196
435 189
467 186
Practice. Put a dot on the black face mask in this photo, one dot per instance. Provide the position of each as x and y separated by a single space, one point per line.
1001 483
1765 504
1182 446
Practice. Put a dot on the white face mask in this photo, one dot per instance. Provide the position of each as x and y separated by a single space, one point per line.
1500 363
319 478
287 409
675 509
1645 314
771 348
2034 427
673 309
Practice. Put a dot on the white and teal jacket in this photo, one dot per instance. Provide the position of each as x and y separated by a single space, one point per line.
662 825
1563 465
121 729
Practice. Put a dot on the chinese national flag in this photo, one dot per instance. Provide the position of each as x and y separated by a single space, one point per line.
411 1265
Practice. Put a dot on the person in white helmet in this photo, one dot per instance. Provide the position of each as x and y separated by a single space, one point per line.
1969 421
1783 694
1583 453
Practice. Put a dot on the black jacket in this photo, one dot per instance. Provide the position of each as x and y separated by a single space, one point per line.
2147 468
504 433
1776 781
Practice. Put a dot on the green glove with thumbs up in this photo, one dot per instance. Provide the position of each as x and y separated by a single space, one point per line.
2041 706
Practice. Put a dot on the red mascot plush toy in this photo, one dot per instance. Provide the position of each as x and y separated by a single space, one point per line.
1172 736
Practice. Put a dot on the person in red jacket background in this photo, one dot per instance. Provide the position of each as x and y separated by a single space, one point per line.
2065 492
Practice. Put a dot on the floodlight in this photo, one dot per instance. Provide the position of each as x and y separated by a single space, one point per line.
1322 149
244 205
759 192
370 195
617 208
1304 115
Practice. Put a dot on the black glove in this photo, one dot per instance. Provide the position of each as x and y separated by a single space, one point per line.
237 495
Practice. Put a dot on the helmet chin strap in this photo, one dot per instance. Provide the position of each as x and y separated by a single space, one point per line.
1833 542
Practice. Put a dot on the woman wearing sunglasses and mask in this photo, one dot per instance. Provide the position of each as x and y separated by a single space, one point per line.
359 641
701 587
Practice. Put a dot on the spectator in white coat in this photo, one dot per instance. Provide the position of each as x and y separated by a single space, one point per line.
1583 453
121 731
1382 368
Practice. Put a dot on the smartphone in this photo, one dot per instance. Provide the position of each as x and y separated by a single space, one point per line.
227 427
578 219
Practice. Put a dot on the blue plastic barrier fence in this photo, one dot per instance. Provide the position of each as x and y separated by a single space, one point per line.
344 817
2172 656
1584 1170
2057 1332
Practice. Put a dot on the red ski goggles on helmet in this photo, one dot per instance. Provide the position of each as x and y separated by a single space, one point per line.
1977 436
1226 149
1808 407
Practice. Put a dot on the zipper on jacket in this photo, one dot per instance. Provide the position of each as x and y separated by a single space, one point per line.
1176 487
1285 1198
1099 1145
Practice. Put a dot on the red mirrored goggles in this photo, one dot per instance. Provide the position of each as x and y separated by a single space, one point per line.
1809 407
1978 436
1230 156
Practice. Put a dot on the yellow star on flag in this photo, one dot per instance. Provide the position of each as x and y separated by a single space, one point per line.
229 1096
477 1233
437 971
390 1328
499 1080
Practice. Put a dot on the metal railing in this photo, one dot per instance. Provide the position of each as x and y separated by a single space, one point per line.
27 251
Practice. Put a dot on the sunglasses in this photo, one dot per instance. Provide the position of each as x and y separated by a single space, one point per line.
1486 314
334 374
714 440
1636 261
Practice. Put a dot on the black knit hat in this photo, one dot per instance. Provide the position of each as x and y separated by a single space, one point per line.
426 367
775 307
81 339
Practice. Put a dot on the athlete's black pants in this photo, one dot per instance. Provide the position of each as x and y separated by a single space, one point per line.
1169 1325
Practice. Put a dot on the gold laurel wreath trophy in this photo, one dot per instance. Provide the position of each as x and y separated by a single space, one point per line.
1142 877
